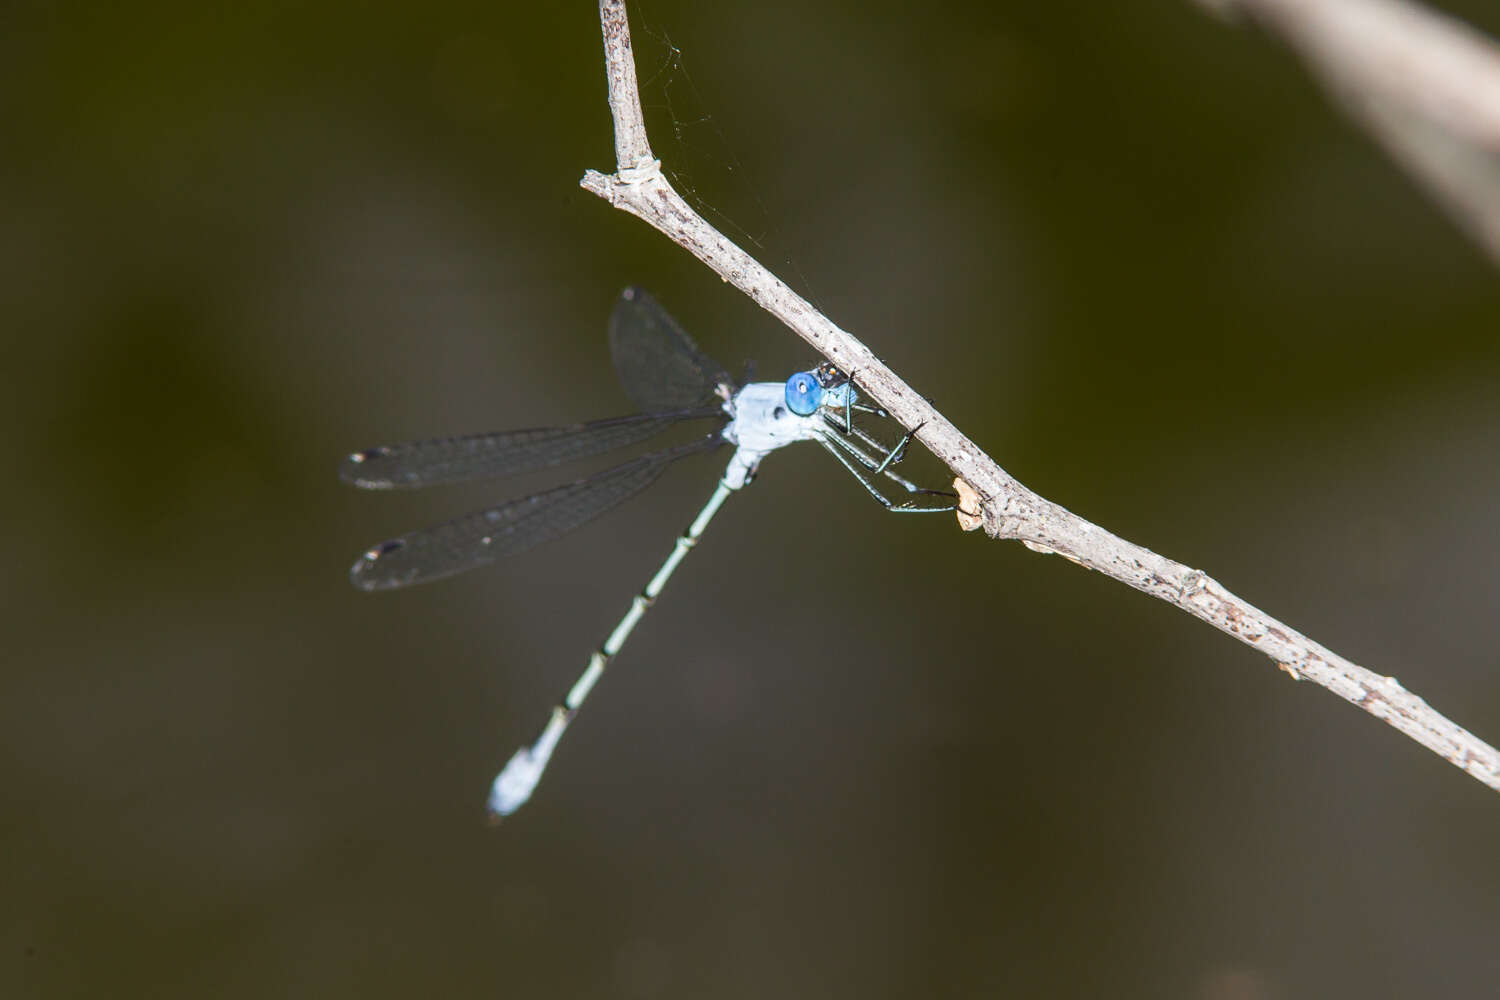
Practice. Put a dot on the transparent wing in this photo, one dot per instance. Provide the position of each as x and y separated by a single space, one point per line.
485 456
657 362
484 536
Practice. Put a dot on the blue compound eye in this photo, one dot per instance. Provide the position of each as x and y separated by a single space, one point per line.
803 394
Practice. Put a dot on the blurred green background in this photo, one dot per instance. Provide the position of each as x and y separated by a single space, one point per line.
1128 249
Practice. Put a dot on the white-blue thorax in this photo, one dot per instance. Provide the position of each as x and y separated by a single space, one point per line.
764 416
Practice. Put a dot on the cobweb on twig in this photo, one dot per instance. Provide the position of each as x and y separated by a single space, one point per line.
699 160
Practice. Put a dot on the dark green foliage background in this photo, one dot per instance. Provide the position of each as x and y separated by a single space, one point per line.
1128 249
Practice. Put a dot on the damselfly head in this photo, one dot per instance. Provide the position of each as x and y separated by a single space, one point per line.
804 393
829 376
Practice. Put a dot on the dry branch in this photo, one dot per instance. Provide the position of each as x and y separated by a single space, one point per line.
1426 86
1007 508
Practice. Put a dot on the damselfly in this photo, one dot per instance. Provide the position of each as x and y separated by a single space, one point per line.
671 380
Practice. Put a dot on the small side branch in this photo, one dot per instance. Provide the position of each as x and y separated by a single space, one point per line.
632 150
990 497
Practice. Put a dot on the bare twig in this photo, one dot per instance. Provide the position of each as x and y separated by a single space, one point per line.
1007 509
1427 87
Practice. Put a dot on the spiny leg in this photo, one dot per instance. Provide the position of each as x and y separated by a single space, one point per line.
514 785
879 497
889 456
870 440
874 465
898 452
836 447
850 409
